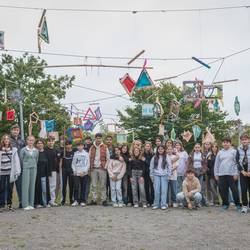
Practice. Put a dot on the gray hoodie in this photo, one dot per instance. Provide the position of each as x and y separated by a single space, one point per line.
225 163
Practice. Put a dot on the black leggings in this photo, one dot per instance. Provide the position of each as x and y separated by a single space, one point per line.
67 177
245 187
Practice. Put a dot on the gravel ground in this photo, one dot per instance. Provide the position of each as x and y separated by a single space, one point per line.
96 227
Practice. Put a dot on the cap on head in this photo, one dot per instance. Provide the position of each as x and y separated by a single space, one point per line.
14 126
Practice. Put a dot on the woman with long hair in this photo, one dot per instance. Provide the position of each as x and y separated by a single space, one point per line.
137 171
9 171
159 173
149 187
29 158
212 183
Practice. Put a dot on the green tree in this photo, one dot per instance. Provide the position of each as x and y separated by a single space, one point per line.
41 92
148 128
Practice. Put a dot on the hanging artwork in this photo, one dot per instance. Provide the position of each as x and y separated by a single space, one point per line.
128 83
174 109
159 107
173 134
42 31
1 115
147 110
98 114
75 134
121 138
196 132
1 39
88 125
50 125
77 121
144 80
213 91
89 115
193 90
10 115
197 103
161 130
237 106
216 105
43 132
187 135
209 137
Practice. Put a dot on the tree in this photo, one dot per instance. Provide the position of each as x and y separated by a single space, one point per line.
41 92
148 128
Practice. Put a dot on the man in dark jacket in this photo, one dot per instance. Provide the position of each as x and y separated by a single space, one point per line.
18 143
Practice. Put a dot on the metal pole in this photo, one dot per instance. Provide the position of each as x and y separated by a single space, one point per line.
21 119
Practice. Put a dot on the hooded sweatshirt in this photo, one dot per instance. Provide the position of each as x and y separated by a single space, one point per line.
159 170
80 163
225 163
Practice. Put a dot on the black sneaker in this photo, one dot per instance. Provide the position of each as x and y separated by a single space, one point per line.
62 203
20 206
105 203
93 203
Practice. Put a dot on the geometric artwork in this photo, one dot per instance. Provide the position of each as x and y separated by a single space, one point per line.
89 115
209 137
147 110
1 40
213 91
128 83
196 131
144 80
193 90
187 135
50 125
74 134
98 114
88 125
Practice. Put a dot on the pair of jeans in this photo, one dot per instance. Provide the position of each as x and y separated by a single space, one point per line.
180 180
213 188
44 190
67 178
126 190
181 198
172 187
80 184
160 189
99 176
226 182
203 189
245 187
137 184
116 191
5 190
18 184
52 186
149 189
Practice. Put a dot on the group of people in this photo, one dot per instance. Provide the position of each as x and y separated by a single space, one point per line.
143 175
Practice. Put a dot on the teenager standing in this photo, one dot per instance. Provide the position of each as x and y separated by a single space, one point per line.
226 173
9 171
17 142
29 158
243 160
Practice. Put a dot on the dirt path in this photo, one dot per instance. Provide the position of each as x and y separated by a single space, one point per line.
124 228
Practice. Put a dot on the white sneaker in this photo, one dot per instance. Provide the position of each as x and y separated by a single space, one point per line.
175 205
39 206
136 206
144 206
163 208
83 204
26 209
31 208
154 207
120 205
115 205
53 204
244 210
74 204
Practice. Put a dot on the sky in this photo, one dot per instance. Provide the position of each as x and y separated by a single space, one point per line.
209 34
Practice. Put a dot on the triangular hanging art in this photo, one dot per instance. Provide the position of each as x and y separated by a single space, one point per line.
42 31
196 131
144 80
89 115
128 83
187 135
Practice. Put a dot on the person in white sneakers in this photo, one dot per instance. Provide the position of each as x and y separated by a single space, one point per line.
80 167
116 171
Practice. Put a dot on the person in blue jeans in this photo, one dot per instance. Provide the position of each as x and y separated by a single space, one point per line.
159 173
